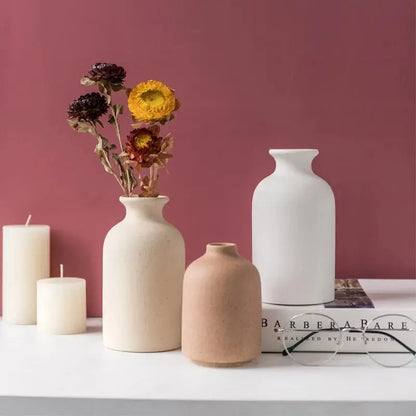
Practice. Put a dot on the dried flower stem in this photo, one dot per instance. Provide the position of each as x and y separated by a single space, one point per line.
116 123
153 176
115 117
105 155
129 187
125 171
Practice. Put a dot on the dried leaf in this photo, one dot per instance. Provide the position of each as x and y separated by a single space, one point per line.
118 109
80 126
88 81
116 87
104 89
133 180
102 151
116 157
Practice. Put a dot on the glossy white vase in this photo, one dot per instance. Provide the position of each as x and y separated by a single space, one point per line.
294 231
143 268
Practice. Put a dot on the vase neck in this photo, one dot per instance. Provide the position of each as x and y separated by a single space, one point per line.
293 160
229 249
144 208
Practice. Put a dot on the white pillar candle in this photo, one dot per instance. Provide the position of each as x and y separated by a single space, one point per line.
62 305
26 259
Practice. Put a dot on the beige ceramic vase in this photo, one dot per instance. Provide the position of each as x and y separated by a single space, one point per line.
221 311
143 267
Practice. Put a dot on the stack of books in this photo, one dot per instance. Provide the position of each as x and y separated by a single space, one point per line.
356 303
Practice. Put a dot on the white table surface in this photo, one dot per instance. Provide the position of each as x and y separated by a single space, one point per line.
75 375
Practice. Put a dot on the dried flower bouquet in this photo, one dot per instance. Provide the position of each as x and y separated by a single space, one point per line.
151 104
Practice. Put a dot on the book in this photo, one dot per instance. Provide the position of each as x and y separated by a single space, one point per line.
356 303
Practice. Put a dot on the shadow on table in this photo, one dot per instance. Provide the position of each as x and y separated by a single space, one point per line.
267 360
93 329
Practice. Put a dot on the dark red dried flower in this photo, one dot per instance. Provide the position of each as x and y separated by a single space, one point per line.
144 148
107 72
88 107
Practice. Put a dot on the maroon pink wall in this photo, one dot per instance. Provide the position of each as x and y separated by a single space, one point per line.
251 75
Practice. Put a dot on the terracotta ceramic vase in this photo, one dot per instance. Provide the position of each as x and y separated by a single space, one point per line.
221 311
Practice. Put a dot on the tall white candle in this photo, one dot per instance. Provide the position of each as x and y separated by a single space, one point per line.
26 259
62 306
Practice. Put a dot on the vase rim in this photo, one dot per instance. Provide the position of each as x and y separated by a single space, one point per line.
145 198
223 248
291 151
221 244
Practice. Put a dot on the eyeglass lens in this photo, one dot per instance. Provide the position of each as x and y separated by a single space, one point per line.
311 339
390 340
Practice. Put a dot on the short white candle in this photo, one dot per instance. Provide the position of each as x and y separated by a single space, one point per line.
26 258
62 306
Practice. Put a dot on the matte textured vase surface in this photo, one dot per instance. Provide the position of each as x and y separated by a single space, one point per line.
294 231
221 308
143 268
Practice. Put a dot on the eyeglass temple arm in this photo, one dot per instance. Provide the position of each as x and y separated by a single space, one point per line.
372 331
294 346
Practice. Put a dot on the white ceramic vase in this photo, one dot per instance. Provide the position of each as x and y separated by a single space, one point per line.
143 268
294 231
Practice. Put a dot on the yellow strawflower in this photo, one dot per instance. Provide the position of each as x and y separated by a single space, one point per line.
152 101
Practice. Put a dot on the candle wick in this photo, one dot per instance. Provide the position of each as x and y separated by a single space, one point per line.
28 220
62 270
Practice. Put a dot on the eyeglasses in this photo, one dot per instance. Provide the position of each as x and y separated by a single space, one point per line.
314 338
